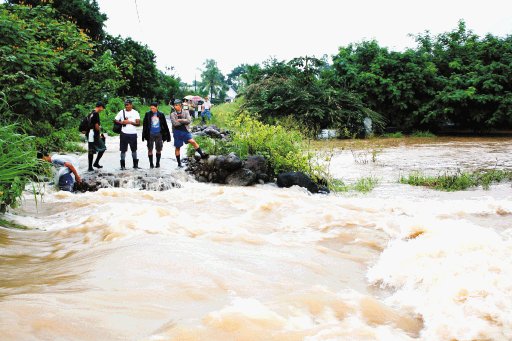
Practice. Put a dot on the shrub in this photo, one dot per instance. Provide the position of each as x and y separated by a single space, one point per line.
64 140
283 148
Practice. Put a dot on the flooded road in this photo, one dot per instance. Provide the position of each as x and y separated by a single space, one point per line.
209 262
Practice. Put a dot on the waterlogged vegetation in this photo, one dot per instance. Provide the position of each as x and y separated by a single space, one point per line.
458 181
362 185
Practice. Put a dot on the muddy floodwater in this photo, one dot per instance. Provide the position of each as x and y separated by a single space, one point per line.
210 262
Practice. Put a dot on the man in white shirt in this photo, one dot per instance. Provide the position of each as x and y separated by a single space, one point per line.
206 110
130 119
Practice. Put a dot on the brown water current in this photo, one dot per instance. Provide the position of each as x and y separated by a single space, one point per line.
210 262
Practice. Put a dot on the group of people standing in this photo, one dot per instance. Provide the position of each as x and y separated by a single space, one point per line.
202 109
155 132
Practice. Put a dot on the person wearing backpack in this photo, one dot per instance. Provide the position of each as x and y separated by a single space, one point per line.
155 131
95 139
130 119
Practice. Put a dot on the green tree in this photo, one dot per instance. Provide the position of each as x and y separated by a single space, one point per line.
168 87
102 80
41 61
235 78
84 13
296 89
137 65
252 74
213 80
473 90
395 84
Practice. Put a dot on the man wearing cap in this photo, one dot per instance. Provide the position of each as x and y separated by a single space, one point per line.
180 120
130 119
96 142
155 131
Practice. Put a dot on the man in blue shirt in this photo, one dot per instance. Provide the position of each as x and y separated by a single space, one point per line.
155 131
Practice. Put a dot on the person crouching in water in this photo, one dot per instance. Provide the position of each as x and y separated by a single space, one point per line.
155 130
180 120
65 168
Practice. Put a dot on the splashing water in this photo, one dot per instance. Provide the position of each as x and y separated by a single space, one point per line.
208 262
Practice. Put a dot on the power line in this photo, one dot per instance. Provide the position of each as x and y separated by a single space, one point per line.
137 9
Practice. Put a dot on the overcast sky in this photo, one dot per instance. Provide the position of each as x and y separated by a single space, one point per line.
183 34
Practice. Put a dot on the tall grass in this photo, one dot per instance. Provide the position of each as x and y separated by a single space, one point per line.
19 165
362 185
458 181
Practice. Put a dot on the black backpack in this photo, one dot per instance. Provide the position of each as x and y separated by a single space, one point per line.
85 124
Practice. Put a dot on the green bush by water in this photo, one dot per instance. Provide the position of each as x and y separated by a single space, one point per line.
285 149
458 181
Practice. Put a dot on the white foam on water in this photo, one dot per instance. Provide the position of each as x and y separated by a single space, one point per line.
228 263
456 275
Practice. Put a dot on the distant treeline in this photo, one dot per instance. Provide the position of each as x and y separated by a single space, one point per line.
455 79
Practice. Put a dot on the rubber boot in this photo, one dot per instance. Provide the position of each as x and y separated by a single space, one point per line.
135 163
203 155
91 157
158 156
123 164
151 161
96 163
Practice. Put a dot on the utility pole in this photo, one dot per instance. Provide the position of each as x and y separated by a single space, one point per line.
195 84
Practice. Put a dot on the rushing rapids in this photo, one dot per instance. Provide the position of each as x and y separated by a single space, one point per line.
210 262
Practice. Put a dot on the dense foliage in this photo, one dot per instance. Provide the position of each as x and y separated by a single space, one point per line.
52 71
455 80
41 62
84 13
296 88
